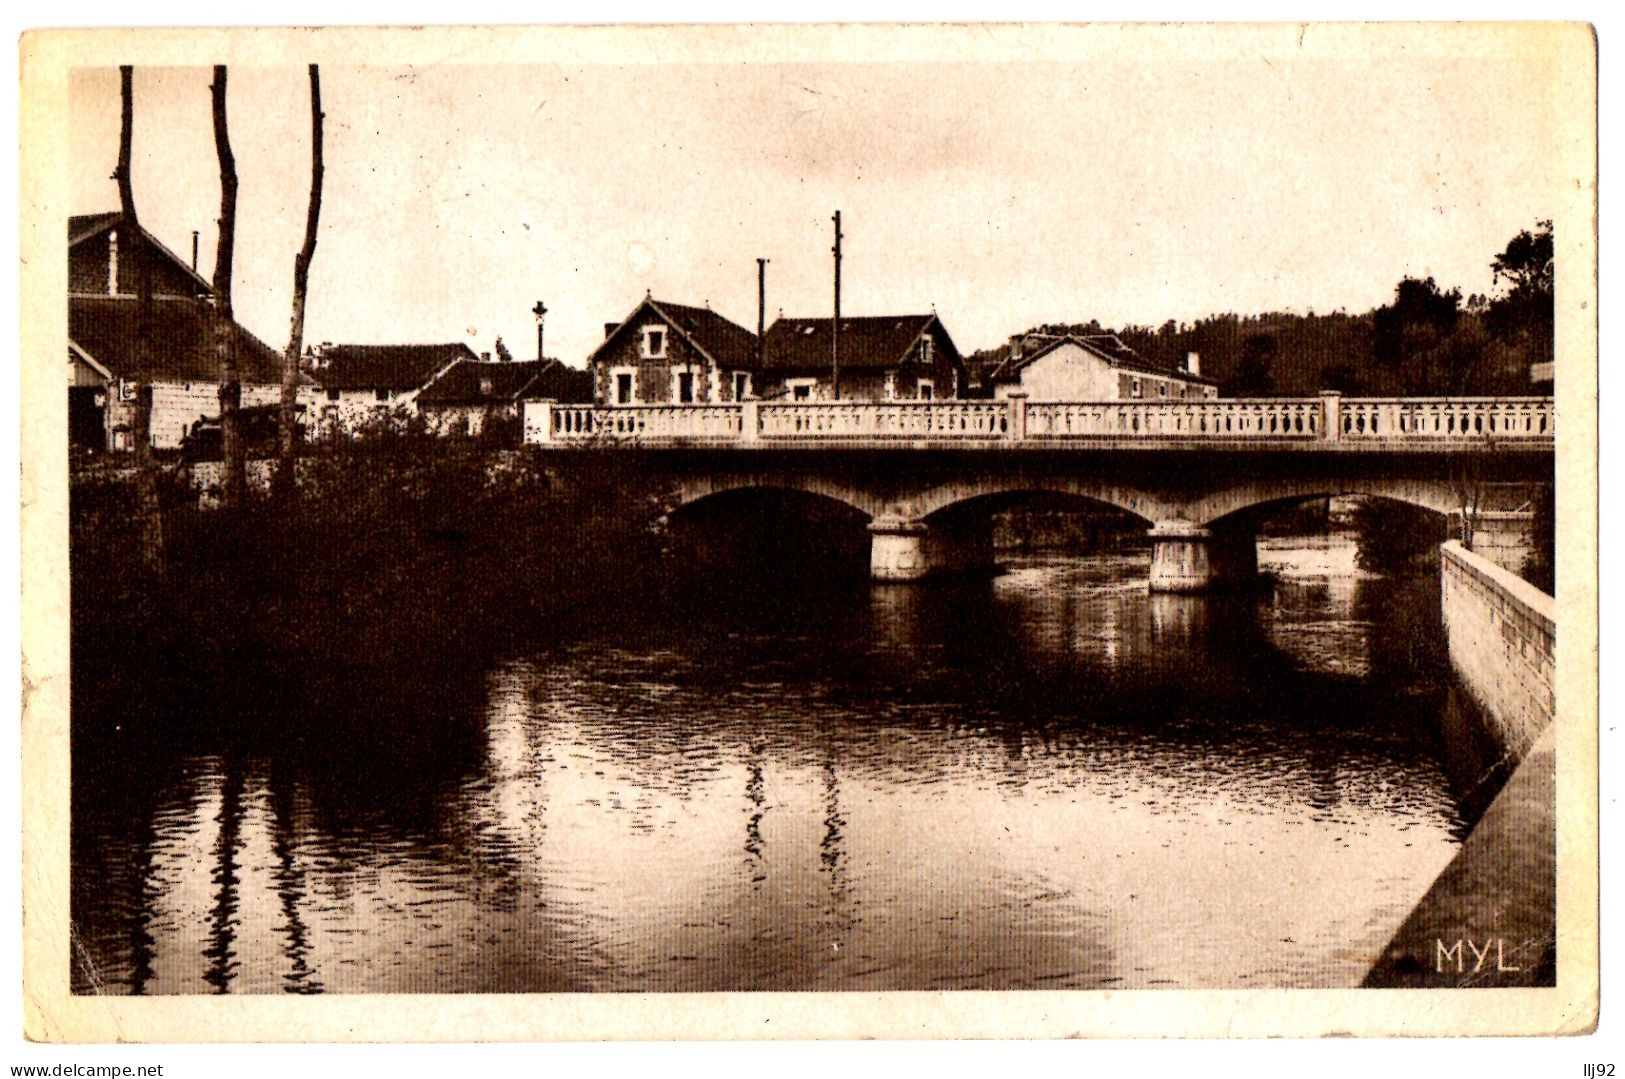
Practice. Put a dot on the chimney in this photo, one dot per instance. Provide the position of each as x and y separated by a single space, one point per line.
1016 341
1193 362
112 263
611 327
194 250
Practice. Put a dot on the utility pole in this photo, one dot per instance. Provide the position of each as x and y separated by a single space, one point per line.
761 312
835 337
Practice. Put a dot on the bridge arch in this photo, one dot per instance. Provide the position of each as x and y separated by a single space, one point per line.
943 499
1234 504
697 488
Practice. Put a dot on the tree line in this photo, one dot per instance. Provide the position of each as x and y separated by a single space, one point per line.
1428 341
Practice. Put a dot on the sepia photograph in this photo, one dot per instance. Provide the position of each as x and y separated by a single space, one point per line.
703 523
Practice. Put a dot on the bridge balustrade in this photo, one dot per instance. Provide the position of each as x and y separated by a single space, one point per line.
645 422
1235 418
1329 418
1447 418
883 419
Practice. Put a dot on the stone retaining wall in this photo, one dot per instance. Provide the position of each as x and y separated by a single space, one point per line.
1502 634
1491 917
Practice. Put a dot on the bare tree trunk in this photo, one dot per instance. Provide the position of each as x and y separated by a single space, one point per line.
225 341
285 479
147 502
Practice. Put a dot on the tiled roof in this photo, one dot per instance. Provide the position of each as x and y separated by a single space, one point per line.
1107 346
804 344
82 227
562 383
384 367
474 382
179 345
730 344
726 342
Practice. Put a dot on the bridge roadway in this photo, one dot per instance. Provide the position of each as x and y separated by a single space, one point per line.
927 474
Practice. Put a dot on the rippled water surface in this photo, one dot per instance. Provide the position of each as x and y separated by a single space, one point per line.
1053 779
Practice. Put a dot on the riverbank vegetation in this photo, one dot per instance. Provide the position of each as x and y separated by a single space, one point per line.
402 558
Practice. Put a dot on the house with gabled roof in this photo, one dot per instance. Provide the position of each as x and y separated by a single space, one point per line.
671 353
1093 367
362 384
108 353
882 358
470 395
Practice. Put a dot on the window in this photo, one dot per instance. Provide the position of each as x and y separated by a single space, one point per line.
332 395
623 387
801 389
1162 389
741 385
927 390
383 395
654 342
685 387
1135 389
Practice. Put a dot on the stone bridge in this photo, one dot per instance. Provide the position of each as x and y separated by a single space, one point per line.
928 474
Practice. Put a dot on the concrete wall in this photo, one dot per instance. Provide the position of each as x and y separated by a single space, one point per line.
464 419
176 406
1502 635
331 412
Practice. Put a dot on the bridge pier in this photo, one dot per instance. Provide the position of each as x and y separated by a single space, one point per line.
1189 558
903 549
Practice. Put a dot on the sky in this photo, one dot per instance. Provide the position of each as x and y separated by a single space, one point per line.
1124 185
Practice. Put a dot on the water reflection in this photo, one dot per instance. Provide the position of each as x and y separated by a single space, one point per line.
1052 779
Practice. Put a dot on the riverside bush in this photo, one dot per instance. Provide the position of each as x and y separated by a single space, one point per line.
404 559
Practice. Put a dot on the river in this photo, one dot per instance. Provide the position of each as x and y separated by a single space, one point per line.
1052 779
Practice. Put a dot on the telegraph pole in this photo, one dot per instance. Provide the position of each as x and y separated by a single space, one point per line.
761 312
835 338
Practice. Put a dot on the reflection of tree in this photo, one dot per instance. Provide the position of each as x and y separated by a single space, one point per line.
222 932
832 848
753 824
290 887
142 943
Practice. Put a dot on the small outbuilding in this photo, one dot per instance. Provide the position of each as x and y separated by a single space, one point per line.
1094 367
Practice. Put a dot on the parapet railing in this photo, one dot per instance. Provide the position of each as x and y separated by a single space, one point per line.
1328 418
